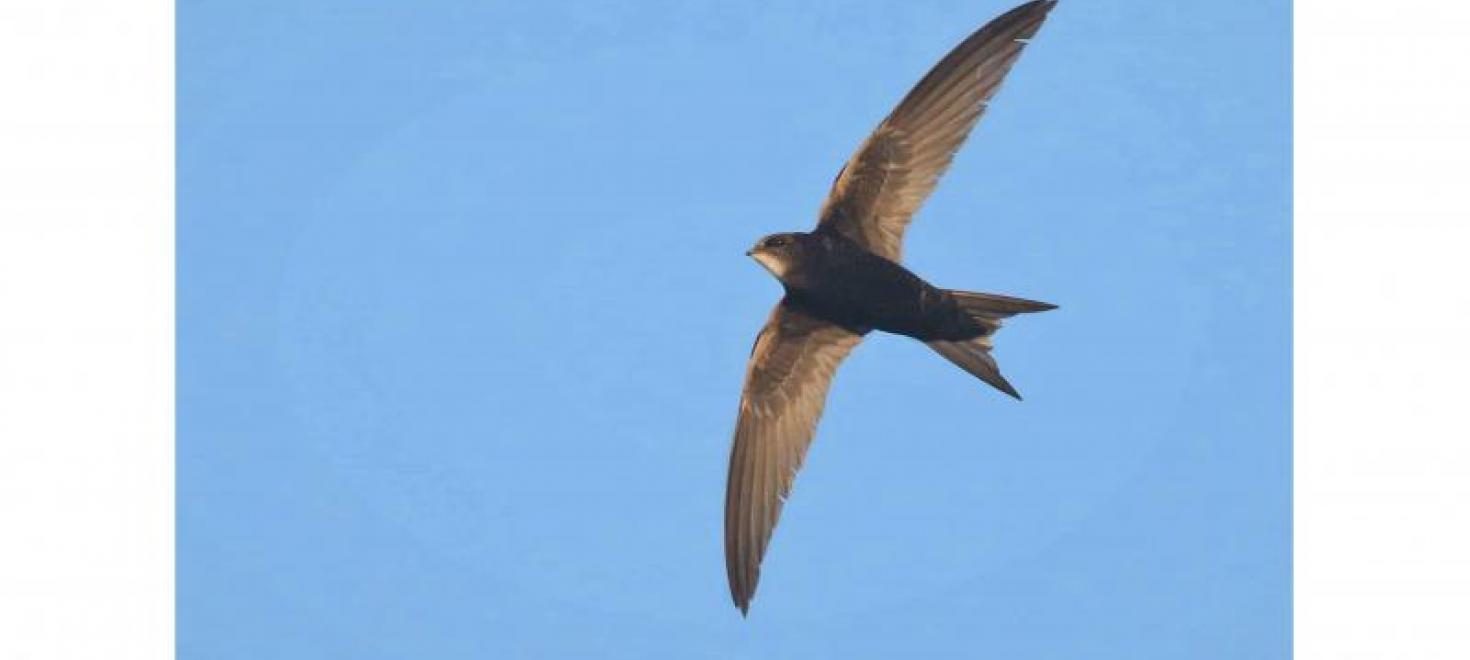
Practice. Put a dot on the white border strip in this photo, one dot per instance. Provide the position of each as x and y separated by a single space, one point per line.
86 329
1382 441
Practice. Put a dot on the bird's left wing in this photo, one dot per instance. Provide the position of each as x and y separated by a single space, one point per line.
894 170
786 384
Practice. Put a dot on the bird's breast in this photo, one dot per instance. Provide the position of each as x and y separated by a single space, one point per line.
868 291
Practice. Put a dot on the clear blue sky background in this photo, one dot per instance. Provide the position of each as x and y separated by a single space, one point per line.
464 311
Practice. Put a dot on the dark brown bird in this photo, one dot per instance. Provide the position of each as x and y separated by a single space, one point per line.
844 280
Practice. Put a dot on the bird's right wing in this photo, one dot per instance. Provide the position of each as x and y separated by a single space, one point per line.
877 193
786 384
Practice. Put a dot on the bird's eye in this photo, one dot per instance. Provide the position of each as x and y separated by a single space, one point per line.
776 241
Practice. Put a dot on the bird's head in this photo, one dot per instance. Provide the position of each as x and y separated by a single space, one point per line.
777 253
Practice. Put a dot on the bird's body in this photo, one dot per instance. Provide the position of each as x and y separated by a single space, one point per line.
836 280
844 280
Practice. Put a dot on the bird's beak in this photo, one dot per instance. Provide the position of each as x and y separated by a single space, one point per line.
750 252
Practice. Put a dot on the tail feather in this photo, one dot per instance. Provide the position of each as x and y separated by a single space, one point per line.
995 306
973 355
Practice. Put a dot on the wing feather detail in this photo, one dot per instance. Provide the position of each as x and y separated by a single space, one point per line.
786 383
895 169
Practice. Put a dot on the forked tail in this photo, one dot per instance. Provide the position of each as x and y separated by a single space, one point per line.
973 355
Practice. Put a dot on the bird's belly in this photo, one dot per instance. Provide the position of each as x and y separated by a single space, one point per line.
896 306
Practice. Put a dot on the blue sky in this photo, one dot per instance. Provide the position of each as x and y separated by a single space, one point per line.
463 314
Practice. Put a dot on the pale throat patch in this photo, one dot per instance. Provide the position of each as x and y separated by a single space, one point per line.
771 263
